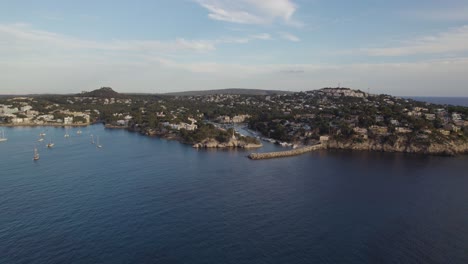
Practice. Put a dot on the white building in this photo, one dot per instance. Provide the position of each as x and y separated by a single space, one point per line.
68 120
26 108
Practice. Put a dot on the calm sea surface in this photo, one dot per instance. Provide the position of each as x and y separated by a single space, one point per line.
148 200
462 101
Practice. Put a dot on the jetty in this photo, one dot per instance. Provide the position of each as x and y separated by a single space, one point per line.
287 153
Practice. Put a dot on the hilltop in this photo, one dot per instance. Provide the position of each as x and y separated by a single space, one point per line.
234 91
103 92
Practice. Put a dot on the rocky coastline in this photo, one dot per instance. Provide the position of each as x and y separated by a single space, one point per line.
206 143
232 143
452 148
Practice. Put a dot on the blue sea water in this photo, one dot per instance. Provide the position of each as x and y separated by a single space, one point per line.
148 200
461 101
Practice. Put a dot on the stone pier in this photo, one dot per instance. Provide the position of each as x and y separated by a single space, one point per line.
287 153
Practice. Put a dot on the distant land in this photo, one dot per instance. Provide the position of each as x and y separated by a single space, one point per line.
108 92
236 91
104 92
331 118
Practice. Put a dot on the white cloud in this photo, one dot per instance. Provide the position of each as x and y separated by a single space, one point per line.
263 36
452 41
251 11
23 38
290 37
42 61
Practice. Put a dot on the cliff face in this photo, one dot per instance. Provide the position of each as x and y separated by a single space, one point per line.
233 143
449 148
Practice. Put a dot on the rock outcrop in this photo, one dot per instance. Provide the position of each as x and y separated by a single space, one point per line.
447 148
232 143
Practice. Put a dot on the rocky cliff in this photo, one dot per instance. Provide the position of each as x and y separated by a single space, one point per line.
447 148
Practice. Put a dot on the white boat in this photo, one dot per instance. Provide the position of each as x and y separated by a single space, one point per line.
40 140
66 134
42 134
79 132
2 137
50 144
36 154
97 143
92 139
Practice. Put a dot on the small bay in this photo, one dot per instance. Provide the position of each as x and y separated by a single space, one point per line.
140 199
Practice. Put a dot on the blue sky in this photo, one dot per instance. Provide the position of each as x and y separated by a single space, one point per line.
394 47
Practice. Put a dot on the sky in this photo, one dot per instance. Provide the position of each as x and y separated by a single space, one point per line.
405 48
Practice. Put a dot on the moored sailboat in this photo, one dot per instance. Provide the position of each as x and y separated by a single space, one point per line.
97 143
36 154
50 144
2 136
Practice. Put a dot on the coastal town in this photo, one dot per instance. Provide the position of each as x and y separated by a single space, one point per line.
339 118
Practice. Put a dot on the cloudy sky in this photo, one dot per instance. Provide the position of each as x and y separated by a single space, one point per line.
396 47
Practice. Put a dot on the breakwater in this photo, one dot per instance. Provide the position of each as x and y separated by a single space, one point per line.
287 153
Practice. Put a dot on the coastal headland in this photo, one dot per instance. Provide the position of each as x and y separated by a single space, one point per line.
339 118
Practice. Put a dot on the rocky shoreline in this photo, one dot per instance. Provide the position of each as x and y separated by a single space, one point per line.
441 149
451 148
206 143
233 143
115 127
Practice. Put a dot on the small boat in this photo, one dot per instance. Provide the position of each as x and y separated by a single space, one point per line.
66 133
36 154
2 137
50 144
97 143
42 134
40 140
92 139
79 132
